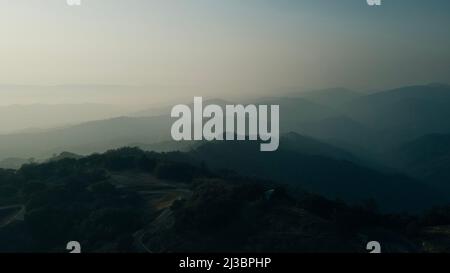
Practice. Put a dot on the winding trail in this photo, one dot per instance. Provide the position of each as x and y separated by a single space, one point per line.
18 216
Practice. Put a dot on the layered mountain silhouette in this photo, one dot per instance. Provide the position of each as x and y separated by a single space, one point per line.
39 117
348 163
85 138
347 147
319 168
403 114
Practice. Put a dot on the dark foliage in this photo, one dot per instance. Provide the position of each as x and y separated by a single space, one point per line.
76 198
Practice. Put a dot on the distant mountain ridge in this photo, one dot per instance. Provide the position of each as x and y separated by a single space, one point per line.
41 117
86 138
315 171
329 97
405 113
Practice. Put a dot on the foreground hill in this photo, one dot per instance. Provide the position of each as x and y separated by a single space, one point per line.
427 158
128 200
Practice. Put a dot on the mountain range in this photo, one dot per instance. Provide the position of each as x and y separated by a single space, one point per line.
390 145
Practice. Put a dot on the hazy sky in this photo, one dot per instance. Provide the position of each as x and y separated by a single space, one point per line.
225 46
